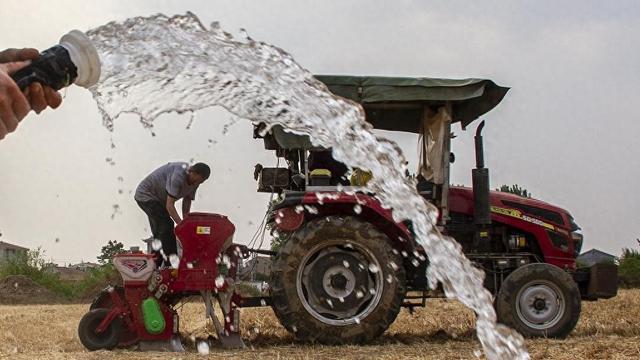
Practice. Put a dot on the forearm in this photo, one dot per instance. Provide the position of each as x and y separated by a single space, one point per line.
186 207
174 214
171 209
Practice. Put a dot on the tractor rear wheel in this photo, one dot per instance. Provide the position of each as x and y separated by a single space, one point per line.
539 300
108 339
337 280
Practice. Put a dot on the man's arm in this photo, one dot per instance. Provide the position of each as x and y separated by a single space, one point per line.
186 206
171 209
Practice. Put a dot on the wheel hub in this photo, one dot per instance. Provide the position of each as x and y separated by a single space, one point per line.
540 305
338 281
336 286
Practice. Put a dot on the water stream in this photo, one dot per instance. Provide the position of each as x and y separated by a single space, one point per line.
159 64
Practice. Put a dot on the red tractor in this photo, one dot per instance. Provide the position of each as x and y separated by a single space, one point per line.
346 265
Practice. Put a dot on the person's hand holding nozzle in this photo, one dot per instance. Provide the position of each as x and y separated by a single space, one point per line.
29 80
15 104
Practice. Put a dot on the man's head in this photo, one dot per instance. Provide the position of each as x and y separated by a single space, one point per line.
198 173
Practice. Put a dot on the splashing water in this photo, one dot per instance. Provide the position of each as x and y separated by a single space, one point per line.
163 64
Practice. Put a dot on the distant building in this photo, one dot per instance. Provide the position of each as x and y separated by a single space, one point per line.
8 251
66 273
595 256
84 266
257 268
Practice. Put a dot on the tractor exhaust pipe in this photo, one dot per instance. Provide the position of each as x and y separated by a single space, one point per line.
480 178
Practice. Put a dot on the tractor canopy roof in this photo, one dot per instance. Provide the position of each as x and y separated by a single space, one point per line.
397 103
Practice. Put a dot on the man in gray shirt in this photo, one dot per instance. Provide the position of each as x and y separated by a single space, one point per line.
157 194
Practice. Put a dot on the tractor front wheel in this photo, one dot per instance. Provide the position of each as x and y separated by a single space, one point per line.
337 280
539 300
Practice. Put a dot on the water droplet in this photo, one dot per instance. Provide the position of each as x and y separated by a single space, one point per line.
189 265
311 209
226 260
156 244
341 299
203 348
373 268
372 291
330 303
345 263
174 260
262 302
359 294
357 208
357 320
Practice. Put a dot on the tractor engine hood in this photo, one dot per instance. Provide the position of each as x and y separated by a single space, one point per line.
531 210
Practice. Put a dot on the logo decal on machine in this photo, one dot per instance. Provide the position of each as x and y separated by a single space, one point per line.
203 230
135 265
518 215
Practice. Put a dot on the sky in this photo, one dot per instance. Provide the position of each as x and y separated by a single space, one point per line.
567 130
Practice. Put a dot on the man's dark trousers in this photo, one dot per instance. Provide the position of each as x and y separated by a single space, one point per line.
161 227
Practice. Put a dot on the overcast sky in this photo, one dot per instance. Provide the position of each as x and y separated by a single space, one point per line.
567 130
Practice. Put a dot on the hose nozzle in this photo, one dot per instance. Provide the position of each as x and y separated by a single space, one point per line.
74 61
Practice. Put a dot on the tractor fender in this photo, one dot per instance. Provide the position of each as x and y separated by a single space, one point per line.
299 208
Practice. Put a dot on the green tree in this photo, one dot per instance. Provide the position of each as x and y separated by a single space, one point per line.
108 251
515 189
278 239
629 270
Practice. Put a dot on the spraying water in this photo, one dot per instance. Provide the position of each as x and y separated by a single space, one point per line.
163 64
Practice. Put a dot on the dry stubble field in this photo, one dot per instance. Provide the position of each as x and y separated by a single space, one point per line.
608 329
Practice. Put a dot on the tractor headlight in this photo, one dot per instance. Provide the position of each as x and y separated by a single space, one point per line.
577 238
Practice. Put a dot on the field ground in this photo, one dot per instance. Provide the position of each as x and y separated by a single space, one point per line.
608 329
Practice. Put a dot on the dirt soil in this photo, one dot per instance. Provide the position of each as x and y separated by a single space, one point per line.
608 329
19 289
